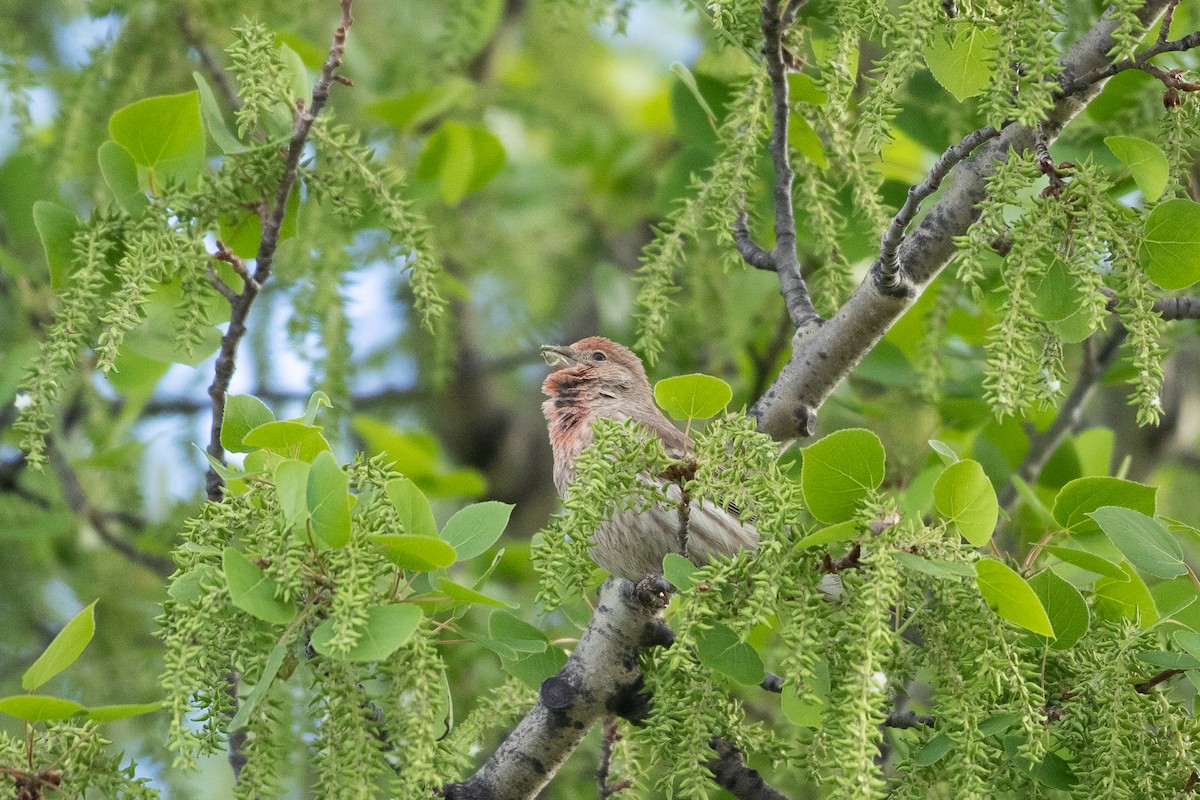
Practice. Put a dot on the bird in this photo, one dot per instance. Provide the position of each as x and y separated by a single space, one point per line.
596 378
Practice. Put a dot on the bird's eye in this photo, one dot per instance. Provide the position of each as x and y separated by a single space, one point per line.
599 356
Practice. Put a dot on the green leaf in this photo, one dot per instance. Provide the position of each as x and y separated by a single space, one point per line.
1167 660
678 570
291 489
39 707
419 553
934 750
56 226
802 138
1052 771
1010 596
841 532
416 517
1171 248
123 711
252 591
722 651
1126 598
387 627
288 438
214 119
243 413
242 231
62 650
1143 541
945 451
965 495
1085 560
329 500
316 402
476 528
251 701
1147 163
462 159
188 587
803 89
534 668
998 723
463 595
808 713
963 64
1189 642
1080 497
937 567
1065 606
516 634
840 471
695 396
164 134
416 108
121 175
680 70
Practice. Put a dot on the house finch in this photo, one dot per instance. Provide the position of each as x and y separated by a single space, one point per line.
597 378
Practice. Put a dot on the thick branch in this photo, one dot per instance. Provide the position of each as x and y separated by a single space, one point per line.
272 222
601 673
731 773
1070 414
1147 686
823 356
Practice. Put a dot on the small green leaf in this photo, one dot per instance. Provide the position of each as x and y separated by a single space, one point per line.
678 570
803 139
534 668
252 591
329 500
1065 606
963 64
841 532
998 723
251 701
418 553
803 89
1171 248
62 650
463 595
243 413
964 494
680 70
123 711
387 627
416 517
1078 498
516 634
188 587
163 134
121 175
288 438
810 712
417 108
1189 642
291 489
1126 598
840 471
1010 596
934 750
476 528
722 651
937 567
695 396
1143 541
1146 161
39 707
56 226
316 402
462 159
1167 660
945 451
214 120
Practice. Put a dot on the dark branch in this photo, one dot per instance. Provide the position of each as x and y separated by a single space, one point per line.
1070 413
1141 60
1146 686
908 719
787 265
731 773
77 501
889 271
750 251
272 222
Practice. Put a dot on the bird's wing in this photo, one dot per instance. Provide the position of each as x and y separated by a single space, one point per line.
674 443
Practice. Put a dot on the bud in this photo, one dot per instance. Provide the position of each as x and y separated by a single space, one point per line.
1172 99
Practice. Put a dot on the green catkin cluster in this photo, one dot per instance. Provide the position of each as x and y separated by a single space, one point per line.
1129 29
931 362
1013 178
832 282
415 679
261 76
613 473
81 753
1180 130
1023 79
738 21
906 37
499 708
1144 338
713 203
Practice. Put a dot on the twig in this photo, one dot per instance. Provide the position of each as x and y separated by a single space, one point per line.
78 502
908 719
1146 686
888 270
272 222
218 75
220 285
750 251
1070 414
852 560
608 738
731 773
1139 61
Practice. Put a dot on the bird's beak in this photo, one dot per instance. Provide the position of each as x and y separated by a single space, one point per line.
558 356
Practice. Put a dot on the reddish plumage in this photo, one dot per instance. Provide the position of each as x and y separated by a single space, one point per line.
597 378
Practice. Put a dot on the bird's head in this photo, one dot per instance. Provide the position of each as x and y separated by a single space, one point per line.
596 366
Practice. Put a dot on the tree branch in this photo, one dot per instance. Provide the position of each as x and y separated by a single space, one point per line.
731 773
193 40
1146 686
824 355
272 221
